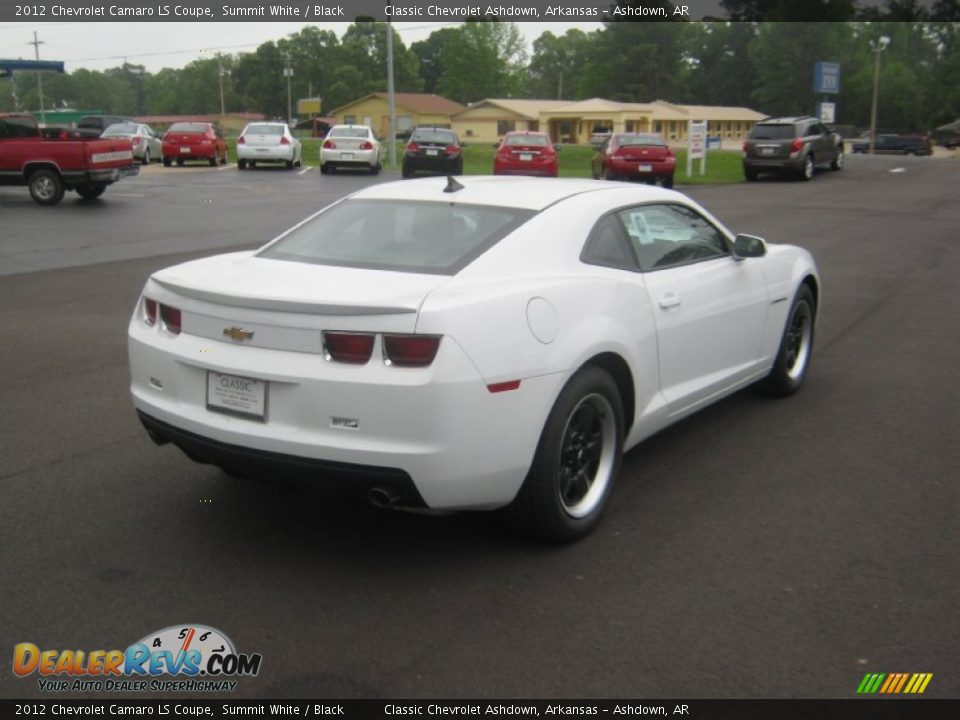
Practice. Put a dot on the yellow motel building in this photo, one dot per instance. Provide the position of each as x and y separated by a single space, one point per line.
486 121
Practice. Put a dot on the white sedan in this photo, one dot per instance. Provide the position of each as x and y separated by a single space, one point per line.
263 142
351 146
481 343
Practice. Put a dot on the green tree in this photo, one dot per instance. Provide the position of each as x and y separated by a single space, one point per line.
430 54
557 63
486 59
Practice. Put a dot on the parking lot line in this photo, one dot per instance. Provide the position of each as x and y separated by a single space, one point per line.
304 171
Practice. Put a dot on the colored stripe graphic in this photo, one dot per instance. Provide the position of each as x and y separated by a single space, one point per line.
911 683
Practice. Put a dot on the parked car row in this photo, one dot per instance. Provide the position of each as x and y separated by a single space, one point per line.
889 144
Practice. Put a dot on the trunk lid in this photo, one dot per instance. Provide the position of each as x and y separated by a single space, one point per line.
286 305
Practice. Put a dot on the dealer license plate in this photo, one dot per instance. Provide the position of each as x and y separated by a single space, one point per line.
433 152
184 149
526 156
767 151
237 395
346 156
644 168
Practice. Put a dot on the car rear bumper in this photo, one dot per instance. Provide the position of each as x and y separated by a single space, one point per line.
638 168
439 164
278 153
349 158
794 163
461 445
106 175
196 152
537 169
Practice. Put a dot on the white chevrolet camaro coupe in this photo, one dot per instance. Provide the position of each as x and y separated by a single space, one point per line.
469 344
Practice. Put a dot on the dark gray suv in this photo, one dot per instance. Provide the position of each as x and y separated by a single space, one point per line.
791 144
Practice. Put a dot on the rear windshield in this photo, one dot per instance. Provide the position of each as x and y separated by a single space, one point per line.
439 238
637 139
357 132
434 136
264 130
188 127
772 132
120 129
536 140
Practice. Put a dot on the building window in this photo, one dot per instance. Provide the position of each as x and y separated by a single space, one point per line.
349 119
505 126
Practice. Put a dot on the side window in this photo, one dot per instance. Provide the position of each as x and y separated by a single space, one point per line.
607 245
665 236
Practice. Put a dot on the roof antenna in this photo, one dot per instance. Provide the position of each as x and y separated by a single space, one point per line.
452 185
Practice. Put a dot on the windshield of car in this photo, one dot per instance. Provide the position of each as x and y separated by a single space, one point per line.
188 127
434 136
264 130
537 140
637 139
772 132
349 132
438 238
120 129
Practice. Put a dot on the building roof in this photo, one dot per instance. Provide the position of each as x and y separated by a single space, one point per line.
529 109
713 112
421 103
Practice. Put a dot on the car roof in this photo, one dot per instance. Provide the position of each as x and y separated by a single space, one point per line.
785 120
506 191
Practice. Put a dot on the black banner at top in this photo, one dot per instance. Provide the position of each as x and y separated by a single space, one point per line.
463 10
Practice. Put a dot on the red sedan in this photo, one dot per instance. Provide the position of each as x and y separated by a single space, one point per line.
525 153
193 141
645 156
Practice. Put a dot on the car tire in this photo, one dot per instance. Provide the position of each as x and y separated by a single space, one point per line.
289 164
241 164
91 191
796 346
458 170
667 182
167 162
807 169
576 462
608 174
213 161
750 175
146 157
46 187
324 169
406 172
837 163
375 169
179 162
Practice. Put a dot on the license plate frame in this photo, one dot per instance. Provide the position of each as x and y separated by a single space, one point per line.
526 157
432 152
346 156
237 395
185 150
644 168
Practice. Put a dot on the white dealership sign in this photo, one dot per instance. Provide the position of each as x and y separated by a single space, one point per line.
697 145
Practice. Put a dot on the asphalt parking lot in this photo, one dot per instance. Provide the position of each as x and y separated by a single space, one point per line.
758 549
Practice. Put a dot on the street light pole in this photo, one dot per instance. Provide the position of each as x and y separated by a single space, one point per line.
882 42
288 71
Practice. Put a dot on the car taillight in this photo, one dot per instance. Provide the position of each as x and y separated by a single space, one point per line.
796 145
366 145
135 141
329 145
412 147
241 141
150 311
353 348
452 149
284 140
410 350
171 318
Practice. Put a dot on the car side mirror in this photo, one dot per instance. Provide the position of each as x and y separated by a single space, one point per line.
749 246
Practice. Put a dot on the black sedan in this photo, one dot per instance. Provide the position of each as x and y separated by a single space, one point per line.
433 150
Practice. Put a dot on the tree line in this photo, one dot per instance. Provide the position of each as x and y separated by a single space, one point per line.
767 66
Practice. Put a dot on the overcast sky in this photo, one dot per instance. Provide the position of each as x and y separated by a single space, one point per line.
99 46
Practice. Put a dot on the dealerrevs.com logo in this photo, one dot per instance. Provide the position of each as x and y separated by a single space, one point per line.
198 658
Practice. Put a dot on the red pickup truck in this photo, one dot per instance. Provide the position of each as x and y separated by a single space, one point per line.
53 160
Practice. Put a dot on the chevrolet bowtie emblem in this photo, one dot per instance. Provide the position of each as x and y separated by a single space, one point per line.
235 333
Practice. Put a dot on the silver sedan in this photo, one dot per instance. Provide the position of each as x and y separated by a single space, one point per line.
351 146
146 145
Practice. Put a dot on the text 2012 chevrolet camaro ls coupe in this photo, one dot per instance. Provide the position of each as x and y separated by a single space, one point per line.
482 343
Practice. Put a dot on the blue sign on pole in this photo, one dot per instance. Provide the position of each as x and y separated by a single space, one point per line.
826 78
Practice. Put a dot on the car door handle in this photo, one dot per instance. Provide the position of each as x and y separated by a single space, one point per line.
669 300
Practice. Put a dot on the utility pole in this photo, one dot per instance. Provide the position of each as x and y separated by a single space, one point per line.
223 111
36 49
288 73
391 99
877 48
